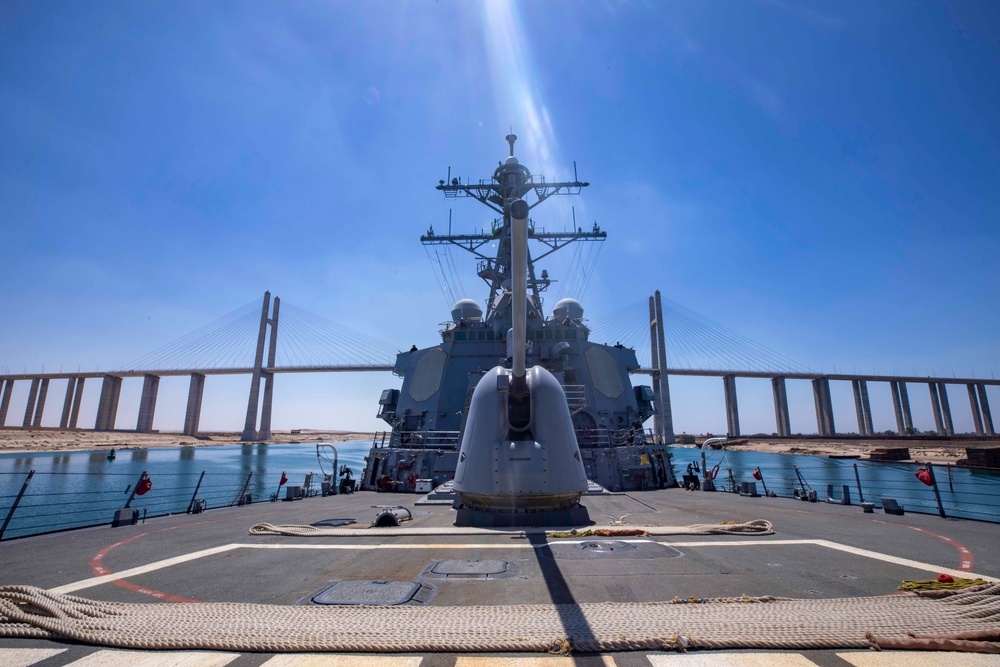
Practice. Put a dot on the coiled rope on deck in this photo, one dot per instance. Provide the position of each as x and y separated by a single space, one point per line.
755 527
742 623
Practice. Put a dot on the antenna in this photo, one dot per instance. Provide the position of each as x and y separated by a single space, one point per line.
511 138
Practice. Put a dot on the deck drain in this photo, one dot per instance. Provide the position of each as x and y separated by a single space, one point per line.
333 523
378 592
470 569
607 546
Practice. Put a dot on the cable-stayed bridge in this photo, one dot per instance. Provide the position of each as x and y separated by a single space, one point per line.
246 342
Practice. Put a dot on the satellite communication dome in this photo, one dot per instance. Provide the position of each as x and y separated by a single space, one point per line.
568 308
466 309
512 160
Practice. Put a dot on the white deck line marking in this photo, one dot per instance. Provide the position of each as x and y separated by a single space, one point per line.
534 661
730 660
109 658
918 659
329 660
25 657
903 561
143 569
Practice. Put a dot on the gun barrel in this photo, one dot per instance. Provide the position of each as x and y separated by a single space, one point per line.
519 285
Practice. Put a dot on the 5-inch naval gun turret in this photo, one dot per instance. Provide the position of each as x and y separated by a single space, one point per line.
519 462
506 375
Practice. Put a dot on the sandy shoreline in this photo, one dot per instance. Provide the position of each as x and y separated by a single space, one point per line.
19 441
16 441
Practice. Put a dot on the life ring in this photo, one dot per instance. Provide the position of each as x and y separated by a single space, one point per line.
714 472
411 481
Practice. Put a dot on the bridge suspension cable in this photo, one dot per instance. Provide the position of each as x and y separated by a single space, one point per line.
304 340
693 340
307 339
228 342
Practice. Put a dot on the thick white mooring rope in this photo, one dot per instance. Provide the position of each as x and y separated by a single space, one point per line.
711 624
755 527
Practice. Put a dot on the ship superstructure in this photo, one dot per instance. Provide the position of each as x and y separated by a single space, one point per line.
428 413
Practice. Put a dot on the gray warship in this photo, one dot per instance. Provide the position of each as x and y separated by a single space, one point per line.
428 415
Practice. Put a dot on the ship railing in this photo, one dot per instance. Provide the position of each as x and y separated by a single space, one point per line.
417 439
576 397
40 502
956 491
593 437
627 437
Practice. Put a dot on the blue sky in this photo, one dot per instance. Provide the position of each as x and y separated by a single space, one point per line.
821 177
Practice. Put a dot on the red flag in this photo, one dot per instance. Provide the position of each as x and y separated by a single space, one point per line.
144 485
284 480
757 475
924 475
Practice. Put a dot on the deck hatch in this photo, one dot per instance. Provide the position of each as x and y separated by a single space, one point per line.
482 567
374 592
471 569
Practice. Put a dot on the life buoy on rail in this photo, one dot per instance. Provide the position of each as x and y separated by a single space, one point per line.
714 472
411 481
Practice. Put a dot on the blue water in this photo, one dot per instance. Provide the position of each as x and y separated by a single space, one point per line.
85 488
71 489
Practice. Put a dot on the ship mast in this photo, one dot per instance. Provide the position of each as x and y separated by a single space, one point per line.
511 181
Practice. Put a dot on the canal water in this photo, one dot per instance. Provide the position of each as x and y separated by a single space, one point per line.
72 489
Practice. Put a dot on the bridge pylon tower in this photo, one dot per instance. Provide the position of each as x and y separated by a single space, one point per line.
250 432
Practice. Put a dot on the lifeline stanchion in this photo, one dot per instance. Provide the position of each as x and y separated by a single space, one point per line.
195 494
937 494
135 488
10 514
760 476
857 478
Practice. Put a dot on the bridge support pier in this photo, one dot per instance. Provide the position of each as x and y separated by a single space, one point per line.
897 407
77 398
29 408
949 425
5 402
107 407
904 399
862 426
936 407
192 417
663 385
866 405
732 408
43 392
67 403
781 420
253 403
977 417
824 407
984 405
147 404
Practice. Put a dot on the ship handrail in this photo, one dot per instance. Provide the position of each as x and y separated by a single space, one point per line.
417 439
